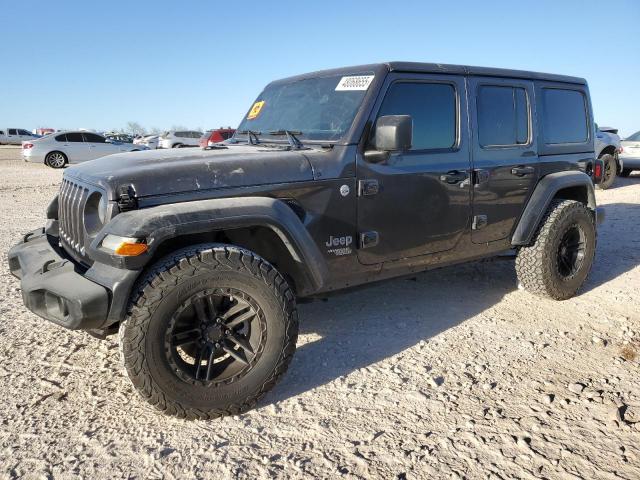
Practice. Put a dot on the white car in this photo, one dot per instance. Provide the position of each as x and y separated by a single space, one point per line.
151 141
630 155
15 136
179 139
60 148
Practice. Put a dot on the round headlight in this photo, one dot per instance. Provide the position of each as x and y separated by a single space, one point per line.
95 213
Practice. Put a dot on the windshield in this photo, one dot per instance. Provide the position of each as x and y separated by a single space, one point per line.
318 108
634 138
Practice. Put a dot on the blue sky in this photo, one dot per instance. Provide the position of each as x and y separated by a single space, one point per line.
99 65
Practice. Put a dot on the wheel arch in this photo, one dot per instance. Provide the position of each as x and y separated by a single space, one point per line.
570 185
266 226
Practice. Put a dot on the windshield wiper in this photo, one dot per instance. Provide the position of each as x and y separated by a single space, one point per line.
252 136
291 137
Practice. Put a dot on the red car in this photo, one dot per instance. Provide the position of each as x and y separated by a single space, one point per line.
214 136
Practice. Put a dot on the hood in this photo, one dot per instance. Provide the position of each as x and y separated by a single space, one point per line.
161 172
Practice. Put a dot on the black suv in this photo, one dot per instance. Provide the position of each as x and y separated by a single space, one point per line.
334 179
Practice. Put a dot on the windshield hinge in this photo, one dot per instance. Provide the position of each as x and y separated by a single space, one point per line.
127 198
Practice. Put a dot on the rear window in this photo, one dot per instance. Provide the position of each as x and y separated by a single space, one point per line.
633 138
503 116
564 117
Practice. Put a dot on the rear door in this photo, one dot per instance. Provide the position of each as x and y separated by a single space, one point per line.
75 148
504 152
418 202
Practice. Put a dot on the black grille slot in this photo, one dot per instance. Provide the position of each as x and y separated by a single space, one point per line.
71 201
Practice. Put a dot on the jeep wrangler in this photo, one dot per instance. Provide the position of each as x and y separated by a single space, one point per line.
333 179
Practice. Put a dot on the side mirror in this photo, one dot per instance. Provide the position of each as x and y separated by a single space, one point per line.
393 133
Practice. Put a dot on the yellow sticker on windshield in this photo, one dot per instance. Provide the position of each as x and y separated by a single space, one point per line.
255 110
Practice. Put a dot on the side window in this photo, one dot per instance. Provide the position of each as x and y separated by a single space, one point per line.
23 132
503 116
564 118
61 138
93 138
432 107
1 132
180 134
74 137
13 131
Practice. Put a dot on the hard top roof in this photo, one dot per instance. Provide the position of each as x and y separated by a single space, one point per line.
416 67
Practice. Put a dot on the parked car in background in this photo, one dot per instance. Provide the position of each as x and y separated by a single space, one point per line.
44 131
630 155
607 148
214 136
179 139
15 136
151 141
57 150
119 137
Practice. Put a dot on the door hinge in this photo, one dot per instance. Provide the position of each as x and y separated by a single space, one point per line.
368 187
369 239
479 221
127 198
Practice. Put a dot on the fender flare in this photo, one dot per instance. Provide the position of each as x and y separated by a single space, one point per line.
541 198
163 222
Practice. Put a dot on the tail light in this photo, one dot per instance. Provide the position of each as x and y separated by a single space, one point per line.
26 146
598 168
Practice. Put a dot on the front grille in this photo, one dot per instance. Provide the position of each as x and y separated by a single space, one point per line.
71 201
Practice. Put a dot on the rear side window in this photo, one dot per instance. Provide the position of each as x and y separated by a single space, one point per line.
564 117
503 116
93 138
74 137
13 131
432 107
61 138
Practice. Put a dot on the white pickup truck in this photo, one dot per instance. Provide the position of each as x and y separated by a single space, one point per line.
607 148
15 136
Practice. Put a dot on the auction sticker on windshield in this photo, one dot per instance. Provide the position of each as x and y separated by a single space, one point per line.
255 110
355 82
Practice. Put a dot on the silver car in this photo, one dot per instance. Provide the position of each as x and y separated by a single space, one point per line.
61 148
630 155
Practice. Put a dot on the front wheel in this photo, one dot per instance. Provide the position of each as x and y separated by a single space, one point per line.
210 330
609 173
557 263
55 160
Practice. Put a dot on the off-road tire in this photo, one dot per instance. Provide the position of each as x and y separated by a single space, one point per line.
164 287
538 265
609 171
625 172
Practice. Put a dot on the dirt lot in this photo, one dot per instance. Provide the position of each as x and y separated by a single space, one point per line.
456 374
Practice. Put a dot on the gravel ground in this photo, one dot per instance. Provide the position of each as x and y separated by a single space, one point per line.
455 374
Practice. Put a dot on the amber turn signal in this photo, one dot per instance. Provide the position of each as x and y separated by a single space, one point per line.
124 246
131 249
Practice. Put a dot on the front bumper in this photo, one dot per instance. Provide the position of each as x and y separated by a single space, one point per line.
57 289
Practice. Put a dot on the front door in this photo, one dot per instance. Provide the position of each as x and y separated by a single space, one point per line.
418 201
505 158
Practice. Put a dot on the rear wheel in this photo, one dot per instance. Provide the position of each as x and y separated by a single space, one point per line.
210 330
560 258
609 173
177 145
56 160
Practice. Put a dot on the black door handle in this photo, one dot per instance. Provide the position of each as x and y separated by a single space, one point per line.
522 171
454 176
